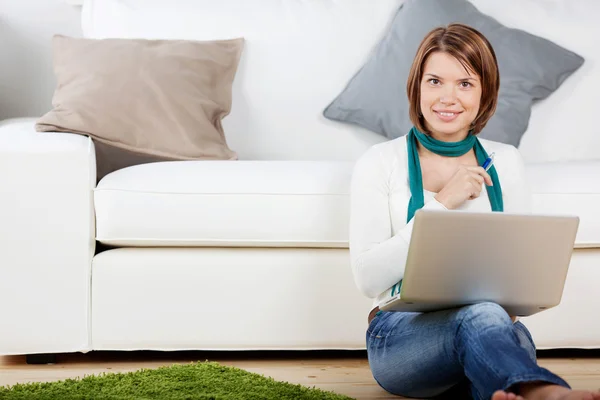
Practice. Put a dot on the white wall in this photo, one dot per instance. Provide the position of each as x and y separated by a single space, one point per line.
26 29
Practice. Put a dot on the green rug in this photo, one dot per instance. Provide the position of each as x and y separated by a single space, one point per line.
206 380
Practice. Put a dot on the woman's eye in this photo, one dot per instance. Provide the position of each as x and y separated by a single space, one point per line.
465 84
434 81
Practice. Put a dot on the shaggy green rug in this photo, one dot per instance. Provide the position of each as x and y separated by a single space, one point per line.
202 380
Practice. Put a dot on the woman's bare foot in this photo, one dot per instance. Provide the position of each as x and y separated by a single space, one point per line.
543 391
500 395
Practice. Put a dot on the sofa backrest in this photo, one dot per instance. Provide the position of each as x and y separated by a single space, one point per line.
298 56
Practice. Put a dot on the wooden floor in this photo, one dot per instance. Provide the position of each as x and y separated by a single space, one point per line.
342 372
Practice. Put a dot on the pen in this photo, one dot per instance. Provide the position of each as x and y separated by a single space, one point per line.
488 162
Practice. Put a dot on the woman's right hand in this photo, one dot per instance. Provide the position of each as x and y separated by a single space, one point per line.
465 184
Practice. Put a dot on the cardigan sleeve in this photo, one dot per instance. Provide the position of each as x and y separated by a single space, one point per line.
377 256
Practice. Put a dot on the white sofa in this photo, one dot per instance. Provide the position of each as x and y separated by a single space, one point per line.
253 254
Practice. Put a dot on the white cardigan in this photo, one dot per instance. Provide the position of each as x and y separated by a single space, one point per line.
379 235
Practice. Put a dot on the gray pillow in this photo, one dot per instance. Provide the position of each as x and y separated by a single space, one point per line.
531 68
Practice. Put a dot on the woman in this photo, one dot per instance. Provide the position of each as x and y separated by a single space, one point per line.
479 350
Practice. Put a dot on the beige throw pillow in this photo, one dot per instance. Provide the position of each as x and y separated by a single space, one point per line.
144 100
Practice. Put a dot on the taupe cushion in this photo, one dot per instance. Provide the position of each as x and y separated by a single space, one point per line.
144 100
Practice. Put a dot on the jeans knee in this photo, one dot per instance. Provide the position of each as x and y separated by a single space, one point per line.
484 314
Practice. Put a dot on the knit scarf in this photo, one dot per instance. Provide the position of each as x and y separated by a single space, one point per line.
448 149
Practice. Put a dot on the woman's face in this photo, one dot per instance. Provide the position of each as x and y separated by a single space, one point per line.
450 97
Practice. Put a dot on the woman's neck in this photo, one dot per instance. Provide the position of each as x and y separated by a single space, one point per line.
424 152
458 136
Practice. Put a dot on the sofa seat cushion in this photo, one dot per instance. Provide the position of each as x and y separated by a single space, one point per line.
225 203
284 203
569 188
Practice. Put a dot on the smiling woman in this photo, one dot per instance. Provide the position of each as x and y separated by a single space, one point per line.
453 83
448 99
474 351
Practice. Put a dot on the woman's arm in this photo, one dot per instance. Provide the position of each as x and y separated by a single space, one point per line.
377 256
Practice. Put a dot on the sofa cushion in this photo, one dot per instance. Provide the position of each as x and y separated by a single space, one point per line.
225 203
144 100
283 203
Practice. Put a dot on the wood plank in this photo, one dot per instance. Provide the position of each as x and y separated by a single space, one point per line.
341 372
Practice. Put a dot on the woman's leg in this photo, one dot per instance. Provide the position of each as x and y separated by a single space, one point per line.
497 354
525 341
412 355
423 355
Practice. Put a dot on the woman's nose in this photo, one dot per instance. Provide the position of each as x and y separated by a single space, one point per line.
448 99
448 96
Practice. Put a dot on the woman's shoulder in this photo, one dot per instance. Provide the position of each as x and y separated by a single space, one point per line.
381 160
497 147
492 146
385 153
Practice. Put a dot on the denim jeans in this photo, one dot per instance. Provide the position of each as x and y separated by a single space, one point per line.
467 352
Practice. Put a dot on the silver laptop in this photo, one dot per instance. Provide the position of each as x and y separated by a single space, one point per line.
459 258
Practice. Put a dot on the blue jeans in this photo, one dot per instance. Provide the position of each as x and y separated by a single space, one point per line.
467 352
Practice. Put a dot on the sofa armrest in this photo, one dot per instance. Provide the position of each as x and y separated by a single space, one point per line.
46 239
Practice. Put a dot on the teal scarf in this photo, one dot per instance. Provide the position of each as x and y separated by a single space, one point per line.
449 149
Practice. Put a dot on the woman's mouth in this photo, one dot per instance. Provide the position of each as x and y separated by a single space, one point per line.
447 116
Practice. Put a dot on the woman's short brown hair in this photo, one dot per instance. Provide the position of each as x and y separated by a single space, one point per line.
474 52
